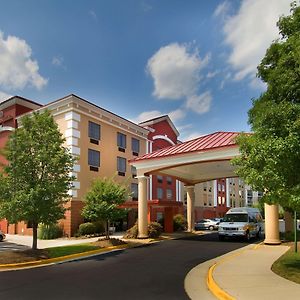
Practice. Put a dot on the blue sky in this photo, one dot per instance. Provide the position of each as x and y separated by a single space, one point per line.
194 60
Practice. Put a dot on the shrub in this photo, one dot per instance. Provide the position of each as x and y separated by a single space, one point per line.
132 232
48 232
179 222
154 230
289 235
99 227
87 228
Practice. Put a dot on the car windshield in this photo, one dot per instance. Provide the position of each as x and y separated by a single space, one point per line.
235 218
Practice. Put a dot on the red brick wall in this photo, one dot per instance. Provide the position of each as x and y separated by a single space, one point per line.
73 218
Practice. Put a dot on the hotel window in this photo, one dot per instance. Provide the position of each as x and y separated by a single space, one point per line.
121 166
135 145
94 132
219 200
133 171
159 193
159 179
169 180
204 186
169 194
134 191
94 160
121 141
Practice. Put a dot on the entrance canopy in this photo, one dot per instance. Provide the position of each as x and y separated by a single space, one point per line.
199 160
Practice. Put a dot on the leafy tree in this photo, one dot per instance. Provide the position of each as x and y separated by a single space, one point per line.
34 185
103 200
270 157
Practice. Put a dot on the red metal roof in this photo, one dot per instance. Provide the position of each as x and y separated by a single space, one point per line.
203 143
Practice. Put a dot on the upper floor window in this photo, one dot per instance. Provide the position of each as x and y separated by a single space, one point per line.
159 179
121 166
169 180
94 159
135 145
94 132
134 191
133 171
169 194
121 141
159 193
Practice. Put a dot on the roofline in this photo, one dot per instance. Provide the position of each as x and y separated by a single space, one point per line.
137 160
153 119
21 98
48 105
163 117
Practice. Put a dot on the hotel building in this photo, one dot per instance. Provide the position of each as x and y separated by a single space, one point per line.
103 143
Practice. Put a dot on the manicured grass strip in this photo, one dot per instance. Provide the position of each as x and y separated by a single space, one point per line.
288 266
68 250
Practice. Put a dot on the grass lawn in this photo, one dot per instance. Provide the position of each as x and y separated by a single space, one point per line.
288 265
72 249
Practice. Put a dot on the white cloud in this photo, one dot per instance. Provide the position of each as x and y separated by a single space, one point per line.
147 115
212 74
191 135
146 6
57 61
250 32
177 114
4 96
174 115
93 15
18 69
222 9
175 70
199 103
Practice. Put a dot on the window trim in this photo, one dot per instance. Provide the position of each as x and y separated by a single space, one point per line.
120 141
91 163
121 172
93 139
134 152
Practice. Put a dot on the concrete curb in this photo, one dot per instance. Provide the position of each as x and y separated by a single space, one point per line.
215 289
56 260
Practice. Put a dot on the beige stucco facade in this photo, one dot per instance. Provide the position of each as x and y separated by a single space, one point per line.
73 114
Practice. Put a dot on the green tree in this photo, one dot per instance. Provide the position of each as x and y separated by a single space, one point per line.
270 157
103 200
34 185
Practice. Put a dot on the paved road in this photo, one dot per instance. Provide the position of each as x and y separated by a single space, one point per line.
153 272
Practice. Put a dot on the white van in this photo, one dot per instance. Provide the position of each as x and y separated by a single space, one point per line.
243 222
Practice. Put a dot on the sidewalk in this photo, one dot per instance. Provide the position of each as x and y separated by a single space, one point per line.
244 274
26 240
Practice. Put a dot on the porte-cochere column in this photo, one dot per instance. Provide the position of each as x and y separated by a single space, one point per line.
271 225
190 204
142 207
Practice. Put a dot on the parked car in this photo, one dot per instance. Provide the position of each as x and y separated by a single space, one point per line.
2 236
207 224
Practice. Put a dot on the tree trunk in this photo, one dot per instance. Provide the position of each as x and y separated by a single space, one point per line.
107 229
288 219
34 235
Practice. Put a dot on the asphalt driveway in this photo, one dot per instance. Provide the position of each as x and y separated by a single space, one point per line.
152 272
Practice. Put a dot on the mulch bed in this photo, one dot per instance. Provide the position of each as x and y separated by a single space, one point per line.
11 257
104 243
